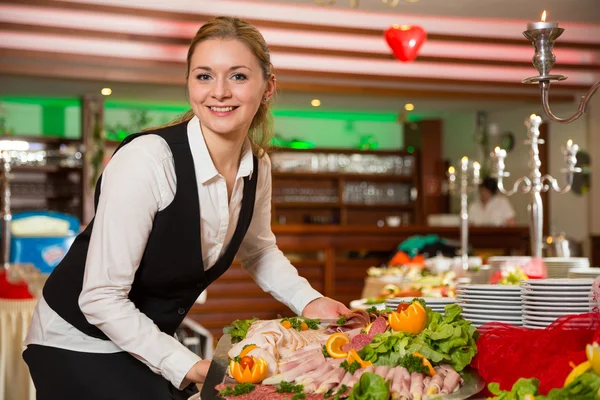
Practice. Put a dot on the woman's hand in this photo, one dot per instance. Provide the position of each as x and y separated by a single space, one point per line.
198 372
324 307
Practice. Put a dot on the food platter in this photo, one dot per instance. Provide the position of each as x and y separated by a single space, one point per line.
473 383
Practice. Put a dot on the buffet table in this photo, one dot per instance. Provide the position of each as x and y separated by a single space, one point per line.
15 316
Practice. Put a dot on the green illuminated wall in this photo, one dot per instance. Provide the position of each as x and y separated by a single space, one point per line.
61 117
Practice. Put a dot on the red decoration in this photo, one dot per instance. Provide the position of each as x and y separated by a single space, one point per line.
12 291
405 41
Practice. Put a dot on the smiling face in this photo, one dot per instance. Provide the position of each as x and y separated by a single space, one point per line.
226 86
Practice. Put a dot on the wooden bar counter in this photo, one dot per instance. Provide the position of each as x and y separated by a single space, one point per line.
335 260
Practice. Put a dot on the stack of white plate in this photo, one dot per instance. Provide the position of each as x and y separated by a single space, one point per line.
435 303
545 300
583 273
490 303
558 267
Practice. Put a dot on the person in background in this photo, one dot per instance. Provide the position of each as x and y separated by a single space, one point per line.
174 206
492 208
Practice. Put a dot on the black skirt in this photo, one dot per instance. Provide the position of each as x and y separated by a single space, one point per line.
60 374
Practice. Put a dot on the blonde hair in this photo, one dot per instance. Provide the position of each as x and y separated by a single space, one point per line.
230 28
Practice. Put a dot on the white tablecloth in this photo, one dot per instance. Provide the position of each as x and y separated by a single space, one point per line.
15 382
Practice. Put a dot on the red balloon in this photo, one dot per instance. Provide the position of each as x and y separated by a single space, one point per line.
405 41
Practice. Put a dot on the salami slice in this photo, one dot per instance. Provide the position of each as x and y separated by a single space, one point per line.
360 341
379 326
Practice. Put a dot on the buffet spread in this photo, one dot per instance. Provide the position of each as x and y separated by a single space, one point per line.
411 352
428 336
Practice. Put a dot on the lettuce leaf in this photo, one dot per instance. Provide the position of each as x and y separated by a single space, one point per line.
370 387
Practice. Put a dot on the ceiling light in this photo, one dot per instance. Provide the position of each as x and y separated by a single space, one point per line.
412 1
409 106
315 102
106 91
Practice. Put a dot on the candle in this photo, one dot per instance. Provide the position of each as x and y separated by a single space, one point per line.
542 24
500 153
451 174
476 169
571 147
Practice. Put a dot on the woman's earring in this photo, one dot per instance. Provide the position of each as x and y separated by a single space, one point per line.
265 100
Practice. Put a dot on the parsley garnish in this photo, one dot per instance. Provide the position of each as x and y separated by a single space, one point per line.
414 364
325 352
237 390
372 310
350 367
296 323
288 387
237 359
341 320
336 395
298 396
238 329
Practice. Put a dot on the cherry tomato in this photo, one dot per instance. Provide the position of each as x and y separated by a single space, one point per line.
402 306
247 362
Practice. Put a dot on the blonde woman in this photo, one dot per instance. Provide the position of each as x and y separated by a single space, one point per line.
174 206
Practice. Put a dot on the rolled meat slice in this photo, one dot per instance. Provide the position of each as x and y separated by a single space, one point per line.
416 385
333 380
452 381
436 383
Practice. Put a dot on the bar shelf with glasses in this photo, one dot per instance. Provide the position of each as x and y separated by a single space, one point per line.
344 187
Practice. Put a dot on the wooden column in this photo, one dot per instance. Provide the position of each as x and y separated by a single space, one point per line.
426 138
92 132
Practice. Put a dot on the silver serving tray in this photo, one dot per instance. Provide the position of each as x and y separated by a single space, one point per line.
216 374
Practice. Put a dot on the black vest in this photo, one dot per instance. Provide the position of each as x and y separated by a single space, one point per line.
171 274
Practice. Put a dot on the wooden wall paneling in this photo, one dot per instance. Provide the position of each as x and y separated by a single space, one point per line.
595 247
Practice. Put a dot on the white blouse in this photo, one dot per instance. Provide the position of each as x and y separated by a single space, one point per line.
138 182
495 212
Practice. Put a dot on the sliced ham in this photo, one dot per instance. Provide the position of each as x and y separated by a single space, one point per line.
344 381
303 368
293 362
356 319
382 370
316 382
355 377
452 380
312 375
416 385
436 383
390 376
333 380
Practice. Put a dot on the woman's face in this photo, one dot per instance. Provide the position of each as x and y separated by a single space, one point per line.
226 86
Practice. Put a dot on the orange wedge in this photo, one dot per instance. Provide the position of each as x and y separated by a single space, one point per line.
353 356
247 350
426 363
334 345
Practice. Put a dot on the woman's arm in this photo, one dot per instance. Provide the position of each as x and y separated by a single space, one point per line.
261 257
138 182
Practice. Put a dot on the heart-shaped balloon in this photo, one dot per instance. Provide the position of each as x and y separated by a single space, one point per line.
405 41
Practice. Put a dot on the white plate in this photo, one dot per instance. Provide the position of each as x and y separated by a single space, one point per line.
578 290
570 294
515 302
512 297
552 313
362 305
470 304
565 259
479 287
559 282
494 317
485 321
557 309
428 300
540 319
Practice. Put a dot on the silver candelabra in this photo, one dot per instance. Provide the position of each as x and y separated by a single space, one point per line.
469 175
535 183
543 35
5 176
